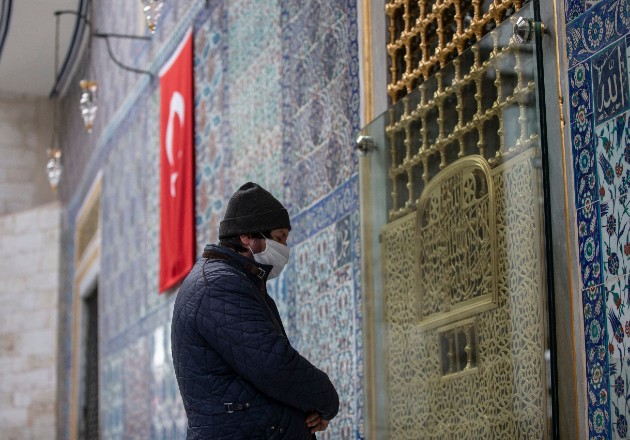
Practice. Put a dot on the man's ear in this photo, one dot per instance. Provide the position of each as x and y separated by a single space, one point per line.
246 239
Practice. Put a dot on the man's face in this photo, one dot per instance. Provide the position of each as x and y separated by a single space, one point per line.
258 244
280 235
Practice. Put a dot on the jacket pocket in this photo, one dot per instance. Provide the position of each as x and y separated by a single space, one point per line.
278 426
292 426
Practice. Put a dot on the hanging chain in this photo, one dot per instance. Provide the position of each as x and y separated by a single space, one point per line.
53 142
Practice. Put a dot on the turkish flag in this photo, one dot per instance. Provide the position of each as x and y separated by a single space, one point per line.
177 236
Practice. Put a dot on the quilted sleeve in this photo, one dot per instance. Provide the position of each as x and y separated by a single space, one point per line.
236 323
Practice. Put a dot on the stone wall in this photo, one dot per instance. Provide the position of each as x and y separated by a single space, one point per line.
29 261
25 134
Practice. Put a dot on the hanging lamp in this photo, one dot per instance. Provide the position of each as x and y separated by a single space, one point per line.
54 167
87 104
152 11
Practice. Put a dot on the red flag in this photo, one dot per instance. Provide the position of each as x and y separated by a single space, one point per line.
177 239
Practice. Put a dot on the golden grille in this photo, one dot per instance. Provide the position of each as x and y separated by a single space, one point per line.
460 111
425 35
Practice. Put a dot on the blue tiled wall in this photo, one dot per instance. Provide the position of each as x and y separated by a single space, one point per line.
597 51
277 102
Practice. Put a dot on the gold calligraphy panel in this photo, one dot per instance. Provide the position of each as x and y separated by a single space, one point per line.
435 387
456 242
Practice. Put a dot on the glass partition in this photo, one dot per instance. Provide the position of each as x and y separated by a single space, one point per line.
453 250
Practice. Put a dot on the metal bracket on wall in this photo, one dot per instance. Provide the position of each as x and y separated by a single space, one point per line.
107 36
111 54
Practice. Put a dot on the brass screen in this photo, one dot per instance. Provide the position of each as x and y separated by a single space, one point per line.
424 35
462 251
502 393
481 103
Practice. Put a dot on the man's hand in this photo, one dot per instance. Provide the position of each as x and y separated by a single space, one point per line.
315 422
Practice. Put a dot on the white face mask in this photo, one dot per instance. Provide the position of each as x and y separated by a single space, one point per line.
276 255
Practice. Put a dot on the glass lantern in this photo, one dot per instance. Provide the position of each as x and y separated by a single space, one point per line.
152 11
54 167
88 103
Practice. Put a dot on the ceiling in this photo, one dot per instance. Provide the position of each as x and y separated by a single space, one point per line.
27 51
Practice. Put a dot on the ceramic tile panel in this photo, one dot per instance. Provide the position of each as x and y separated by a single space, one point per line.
252 122
322 287
321 98
168 418
211 125
613 171
255 93
112 398
582 145
137 386
253 27
597 361
595 318
598 88
580 92
610 82
589 244
603 24
123 216
151 227
573 9
617 291
590 3
620 395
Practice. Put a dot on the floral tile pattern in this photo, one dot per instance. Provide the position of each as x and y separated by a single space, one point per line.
589 245
597 363
254 91
590 3
211 126
613 170
580 92
598 79
603 24
573 9
584 166
322 287
617 290
253 120
321 100
113 412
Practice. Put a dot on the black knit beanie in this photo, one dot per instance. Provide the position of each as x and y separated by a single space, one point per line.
253 209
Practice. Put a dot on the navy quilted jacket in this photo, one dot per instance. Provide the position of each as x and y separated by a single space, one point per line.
238 375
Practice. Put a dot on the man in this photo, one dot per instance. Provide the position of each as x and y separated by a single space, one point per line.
237 373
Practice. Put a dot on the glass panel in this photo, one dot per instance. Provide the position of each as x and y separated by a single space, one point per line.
454 255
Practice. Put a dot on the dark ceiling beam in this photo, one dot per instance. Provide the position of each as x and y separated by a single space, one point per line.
5 19
65 72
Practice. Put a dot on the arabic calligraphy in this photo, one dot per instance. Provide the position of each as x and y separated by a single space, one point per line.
610 83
